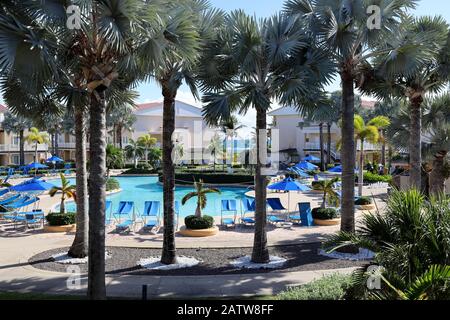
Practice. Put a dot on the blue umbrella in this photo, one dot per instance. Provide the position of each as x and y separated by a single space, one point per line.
304 165
36 165
32 185
337 169
289 184
311 158
54 159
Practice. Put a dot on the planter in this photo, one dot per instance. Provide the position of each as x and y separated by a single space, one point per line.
198 233
367 207
66 228
324 223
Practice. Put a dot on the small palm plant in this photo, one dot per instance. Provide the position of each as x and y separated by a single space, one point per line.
67 191
200 193
36 137
327 187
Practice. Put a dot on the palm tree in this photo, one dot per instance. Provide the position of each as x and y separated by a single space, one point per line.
36 137
327 187
146 142
200 192
412 64
367 132
114 158
134 151
17 124
67 191
120 117
249 64
342 27
195 22
230 127
215 147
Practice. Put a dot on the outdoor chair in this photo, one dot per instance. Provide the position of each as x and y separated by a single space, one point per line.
228 206
126 208
151 215
247 206
304 216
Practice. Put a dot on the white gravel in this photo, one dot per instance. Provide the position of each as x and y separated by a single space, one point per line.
363 255
63 258
154 263
246 263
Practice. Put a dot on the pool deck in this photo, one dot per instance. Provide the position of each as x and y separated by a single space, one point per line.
18 245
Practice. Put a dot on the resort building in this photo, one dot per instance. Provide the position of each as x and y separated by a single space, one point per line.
299 137
190 131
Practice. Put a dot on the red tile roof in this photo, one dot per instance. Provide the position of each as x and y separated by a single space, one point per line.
368 104
149 105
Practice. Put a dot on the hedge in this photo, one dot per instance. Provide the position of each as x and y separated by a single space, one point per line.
374 178
112 184
140 171
58 219
325 213
199 223
332 287
212 178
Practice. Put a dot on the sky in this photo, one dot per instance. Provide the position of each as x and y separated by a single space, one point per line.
263 8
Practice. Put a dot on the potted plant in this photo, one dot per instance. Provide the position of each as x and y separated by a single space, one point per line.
62 221
326 187
198 225
326 216
364 203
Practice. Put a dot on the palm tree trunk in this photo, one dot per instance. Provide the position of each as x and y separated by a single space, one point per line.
119 136
21 148
438 175
328 144
97 194
322 149
62 206
79 248
35 152
361 169
56 144
415 143
198 211
52 141
383 150
348 153
169 248
260 252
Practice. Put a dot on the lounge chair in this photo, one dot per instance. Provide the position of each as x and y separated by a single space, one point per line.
29 218
22 203
276 205
304 217
228 206
151 215
3 192
67 168
126 208
108 208
247 206
10 199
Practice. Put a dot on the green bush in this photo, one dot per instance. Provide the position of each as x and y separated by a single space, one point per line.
363 201
58 219
374 178
316 185
332 287
199 223
112 184
325 213
140 171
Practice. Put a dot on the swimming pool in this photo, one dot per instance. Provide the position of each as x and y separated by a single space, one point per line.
141 189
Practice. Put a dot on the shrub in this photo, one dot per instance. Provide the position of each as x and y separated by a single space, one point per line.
140 171
325 213
58 219
363 201
112 184
199 223
212 178
332 287
316 185
374 178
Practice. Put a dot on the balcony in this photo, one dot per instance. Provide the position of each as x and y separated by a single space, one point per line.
27 148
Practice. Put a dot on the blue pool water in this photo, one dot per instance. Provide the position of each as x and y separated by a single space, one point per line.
141 189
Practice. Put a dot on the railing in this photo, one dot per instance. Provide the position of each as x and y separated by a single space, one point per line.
27 148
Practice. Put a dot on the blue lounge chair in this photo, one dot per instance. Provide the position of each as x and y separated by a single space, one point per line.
247 206
228 206
304 218
3 192
67 168
126 208
276 205
151 214
25 202
108 209
10 199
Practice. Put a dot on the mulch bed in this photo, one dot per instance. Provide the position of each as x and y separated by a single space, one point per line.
301 257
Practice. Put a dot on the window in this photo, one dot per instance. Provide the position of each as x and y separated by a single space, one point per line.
15 140
15 159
